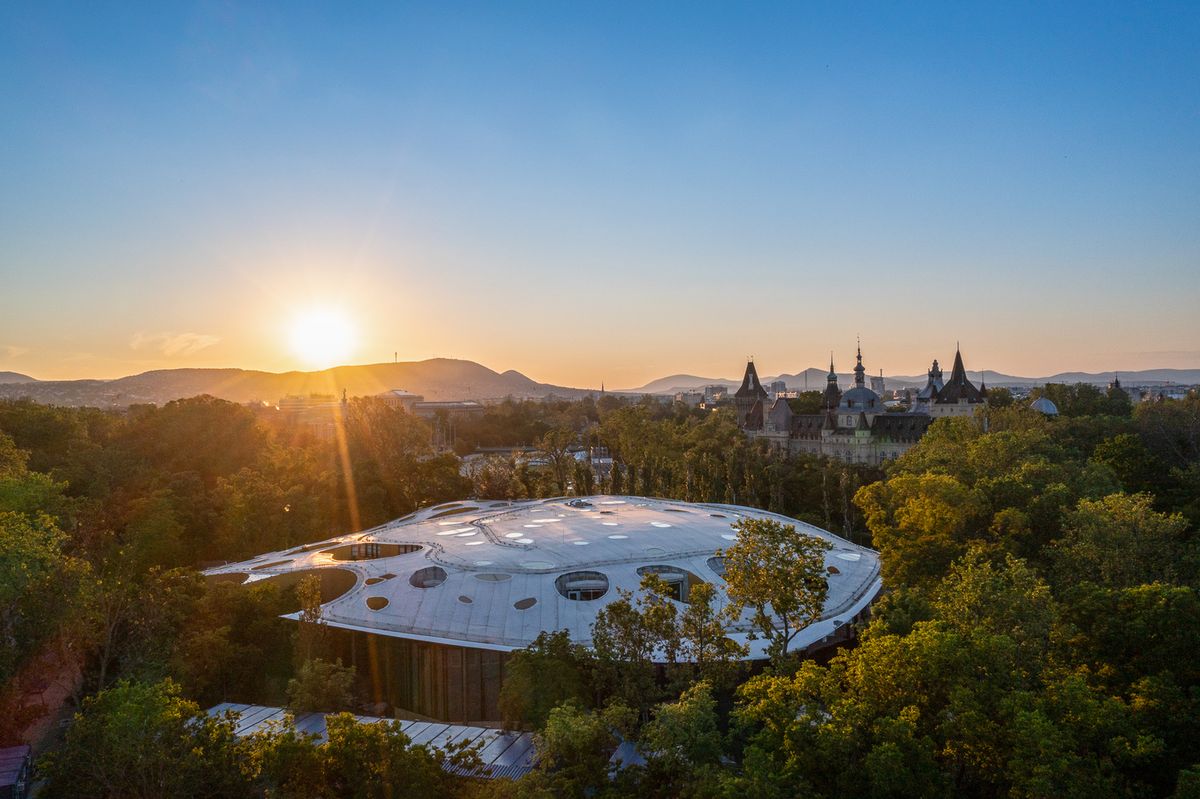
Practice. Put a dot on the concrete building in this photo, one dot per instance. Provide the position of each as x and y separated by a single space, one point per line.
432 604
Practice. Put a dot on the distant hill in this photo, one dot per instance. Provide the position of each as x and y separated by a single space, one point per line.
816 379
15 377
436 379
674 383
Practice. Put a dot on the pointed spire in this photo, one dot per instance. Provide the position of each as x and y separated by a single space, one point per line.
958 375
832 392
751 386
859 371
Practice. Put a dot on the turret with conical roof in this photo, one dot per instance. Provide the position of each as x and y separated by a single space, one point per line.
832 393
749 394
958 388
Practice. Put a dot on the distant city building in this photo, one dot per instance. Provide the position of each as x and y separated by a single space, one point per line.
454 409
399 398
854 426
320 413
778 388
715 393
300 403
444 418
877 384
691 399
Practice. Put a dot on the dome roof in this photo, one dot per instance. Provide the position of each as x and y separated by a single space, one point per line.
1043 405
493 575
860 397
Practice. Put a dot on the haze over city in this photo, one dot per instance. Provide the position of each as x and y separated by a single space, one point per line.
612 194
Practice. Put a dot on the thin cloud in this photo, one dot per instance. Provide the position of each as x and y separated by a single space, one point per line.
13 351
173 344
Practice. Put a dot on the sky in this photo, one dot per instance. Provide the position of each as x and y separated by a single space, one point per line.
599 192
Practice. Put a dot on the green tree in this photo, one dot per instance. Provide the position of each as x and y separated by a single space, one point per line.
40 587
779 573
321 685
920 524
144 741
714 656
1121 541
573 749
550 671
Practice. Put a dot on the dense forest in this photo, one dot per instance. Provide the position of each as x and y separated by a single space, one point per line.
1037 636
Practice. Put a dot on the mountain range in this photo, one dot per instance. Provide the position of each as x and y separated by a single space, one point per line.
448 379
435 379
816 379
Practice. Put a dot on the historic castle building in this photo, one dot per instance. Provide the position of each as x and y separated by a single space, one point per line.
854 426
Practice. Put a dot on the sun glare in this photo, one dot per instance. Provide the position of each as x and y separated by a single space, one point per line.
322 337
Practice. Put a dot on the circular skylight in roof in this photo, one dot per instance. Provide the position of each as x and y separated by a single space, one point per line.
513 535
729 536
493 577
543 521
484 562
526 603
467 534
612 502
533 525
524 540
611 524
475 543
580 543
618 537
377 602
466 600
582 586
849 556
429 577
455 531
661 524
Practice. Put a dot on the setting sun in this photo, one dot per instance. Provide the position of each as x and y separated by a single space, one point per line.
322 337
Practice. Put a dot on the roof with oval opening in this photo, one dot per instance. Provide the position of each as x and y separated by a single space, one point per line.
494 575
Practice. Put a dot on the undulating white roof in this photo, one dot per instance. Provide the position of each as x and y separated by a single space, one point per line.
494 575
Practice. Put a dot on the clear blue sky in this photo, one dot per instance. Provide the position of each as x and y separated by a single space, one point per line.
590 192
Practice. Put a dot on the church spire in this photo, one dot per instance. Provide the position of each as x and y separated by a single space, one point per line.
832 393
859 371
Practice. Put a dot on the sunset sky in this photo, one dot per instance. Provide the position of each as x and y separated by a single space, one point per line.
592 192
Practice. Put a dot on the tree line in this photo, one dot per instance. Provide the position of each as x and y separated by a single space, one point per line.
1036 636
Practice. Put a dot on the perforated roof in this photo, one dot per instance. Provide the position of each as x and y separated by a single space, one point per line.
485 574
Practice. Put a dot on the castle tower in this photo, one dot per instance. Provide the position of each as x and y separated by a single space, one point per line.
833 394
749 394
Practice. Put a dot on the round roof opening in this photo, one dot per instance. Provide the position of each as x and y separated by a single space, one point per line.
679 581
377 602
717 565
369 550
582 586
429 577
493 577
526 603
